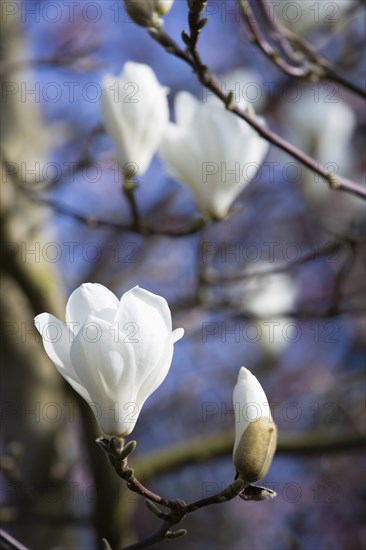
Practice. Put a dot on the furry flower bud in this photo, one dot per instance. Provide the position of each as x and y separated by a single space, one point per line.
146 12
255 431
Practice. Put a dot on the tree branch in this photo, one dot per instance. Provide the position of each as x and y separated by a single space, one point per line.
199 450
10 542
118 453
208 80
306 62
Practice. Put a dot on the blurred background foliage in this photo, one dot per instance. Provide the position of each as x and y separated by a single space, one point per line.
277 287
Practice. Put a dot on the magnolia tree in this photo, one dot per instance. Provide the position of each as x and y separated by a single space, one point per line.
115 352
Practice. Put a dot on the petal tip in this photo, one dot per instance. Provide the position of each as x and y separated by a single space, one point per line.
178 333
244 374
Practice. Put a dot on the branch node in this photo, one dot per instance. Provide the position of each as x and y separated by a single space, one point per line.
154 509
176 534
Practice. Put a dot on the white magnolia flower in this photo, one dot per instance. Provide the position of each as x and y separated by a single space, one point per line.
213 151
135 113
302 17
255 431
322 125
267 295
114 353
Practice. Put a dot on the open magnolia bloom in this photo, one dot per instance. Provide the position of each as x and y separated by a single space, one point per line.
114 353
135 113
213 151
255 431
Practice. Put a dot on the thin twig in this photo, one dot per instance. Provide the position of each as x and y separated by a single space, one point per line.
58 60
220 444
129 188
325 251
209 81
307 63
10 542
118 453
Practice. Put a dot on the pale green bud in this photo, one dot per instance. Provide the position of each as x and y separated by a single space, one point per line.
163 6
255 431
254 453
146 12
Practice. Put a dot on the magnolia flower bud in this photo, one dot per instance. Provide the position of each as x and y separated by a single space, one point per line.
163 6
114 353
210 149
145 12
135 113
255 431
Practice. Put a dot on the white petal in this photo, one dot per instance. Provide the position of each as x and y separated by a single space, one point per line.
208 150
157 375
57 339
115 123
178 333
105 364
250 403
135 112
175 149
146 318
185 107
90 299
102 358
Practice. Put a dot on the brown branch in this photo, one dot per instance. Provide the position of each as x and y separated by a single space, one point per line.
201 449
129 187
10 542
94 222
136 226
209 81
307 63
118 453
61 59
327 250
303 71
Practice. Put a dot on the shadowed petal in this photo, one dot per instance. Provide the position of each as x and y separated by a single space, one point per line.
57 339
156 376
105 364
90 299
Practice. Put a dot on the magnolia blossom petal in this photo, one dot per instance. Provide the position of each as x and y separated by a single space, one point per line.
90 299
57 339
174 143
116 124
135 112
153 112
250 403
209 149
186 107
156 376
149 316
104 363
100 356
178 333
